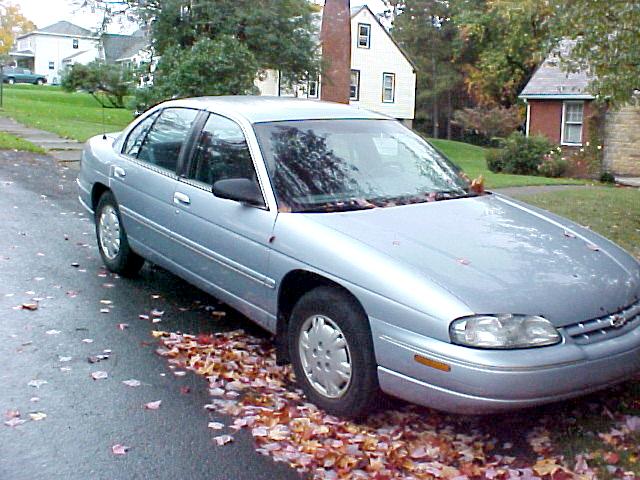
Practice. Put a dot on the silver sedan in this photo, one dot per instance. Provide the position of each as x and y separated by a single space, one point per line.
367 254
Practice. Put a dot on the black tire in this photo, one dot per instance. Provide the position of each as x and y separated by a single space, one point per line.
11 81
362 393
40 81
125 262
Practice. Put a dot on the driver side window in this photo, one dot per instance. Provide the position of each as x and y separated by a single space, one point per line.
222 152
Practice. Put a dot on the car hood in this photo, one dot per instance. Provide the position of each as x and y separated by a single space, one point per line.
500 256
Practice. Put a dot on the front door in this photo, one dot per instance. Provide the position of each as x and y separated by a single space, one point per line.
225 243
144 179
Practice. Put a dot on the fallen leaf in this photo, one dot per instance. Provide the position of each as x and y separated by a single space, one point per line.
122 326
104 310
185 390
38 416
223 439
87 340
53 332
64 359
593 246
29 306
99 375
216 425
143 317
153 405
132 383
118 449
37 383
14 422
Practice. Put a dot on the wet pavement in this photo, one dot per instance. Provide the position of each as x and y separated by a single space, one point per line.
48 258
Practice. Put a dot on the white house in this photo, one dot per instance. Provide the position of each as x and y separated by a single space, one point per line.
383 78
47 51
44 51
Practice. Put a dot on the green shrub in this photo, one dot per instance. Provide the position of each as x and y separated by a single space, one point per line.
520 155
607 177
553 165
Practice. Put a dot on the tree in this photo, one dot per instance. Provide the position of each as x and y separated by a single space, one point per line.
501 42
425 30
606 35
209 67
113 81
270 34
12 24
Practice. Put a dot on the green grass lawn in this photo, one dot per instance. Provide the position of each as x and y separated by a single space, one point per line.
610 211
471 159
9 142
71 115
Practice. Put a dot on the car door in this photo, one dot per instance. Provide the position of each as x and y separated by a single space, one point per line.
143 179
225 243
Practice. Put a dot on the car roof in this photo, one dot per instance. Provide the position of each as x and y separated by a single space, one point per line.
258 109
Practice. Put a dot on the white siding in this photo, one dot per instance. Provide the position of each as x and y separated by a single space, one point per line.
383 56
55 48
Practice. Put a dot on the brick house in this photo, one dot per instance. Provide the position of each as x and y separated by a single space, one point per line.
559 107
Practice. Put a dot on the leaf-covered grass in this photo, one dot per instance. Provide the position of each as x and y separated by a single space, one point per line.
10 142
71 115
471 159
612 212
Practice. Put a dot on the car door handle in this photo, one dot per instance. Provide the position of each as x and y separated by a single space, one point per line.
181 198
119 172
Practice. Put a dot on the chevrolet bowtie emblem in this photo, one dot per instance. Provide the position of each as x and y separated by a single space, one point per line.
617 321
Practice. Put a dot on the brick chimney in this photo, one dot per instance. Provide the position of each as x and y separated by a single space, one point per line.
335 36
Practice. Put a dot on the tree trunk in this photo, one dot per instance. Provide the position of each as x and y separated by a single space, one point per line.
449 114
434 107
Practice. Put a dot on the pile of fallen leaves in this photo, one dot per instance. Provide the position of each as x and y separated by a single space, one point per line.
409 442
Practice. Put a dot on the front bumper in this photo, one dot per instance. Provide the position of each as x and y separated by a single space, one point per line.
486 381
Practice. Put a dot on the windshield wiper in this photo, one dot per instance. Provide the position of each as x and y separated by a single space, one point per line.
453 194
327 207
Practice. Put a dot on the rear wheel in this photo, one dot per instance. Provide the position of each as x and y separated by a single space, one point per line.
331 349
112 238
11 81
40 81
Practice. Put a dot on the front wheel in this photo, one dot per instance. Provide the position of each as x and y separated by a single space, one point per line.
112 239
11 81
331 349
40 82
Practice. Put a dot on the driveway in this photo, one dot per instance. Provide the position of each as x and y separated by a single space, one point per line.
48 257
65 319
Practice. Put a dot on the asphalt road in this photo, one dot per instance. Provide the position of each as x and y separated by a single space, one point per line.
44 232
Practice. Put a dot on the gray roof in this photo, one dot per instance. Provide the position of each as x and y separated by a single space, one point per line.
66 28
272 109
122 46
551 81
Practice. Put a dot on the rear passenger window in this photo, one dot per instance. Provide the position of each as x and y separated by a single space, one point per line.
222 152
137 136
165 140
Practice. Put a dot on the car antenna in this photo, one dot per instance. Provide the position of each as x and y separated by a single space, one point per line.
104 128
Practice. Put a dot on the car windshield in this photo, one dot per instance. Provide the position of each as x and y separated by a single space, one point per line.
337 165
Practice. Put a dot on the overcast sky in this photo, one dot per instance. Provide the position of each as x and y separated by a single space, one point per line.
47 12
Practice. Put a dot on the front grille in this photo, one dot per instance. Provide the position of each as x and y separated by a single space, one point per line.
606 327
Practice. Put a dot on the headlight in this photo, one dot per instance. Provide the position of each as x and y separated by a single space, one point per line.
503 331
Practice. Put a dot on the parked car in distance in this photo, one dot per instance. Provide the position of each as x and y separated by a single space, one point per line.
13 75
366 252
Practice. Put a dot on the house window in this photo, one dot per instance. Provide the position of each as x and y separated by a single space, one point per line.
354 91
388 87
312 88
572 120
52 66
76 43
364 35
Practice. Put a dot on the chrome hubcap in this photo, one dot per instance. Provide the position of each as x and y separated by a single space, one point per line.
325 356
109 232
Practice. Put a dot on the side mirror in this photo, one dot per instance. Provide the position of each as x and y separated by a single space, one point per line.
240 190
